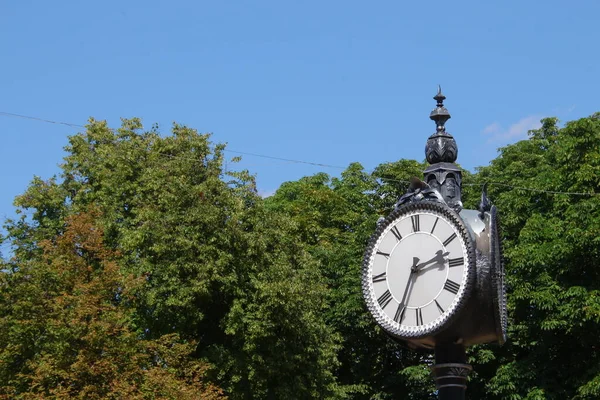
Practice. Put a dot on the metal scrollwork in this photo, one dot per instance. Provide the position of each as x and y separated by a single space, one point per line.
420 191
485 204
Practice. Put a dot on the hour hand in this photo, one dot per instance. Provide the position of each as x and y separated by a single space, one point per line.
439 258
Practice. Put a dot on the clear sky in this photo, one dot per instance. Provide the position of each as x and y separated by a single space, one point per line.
331 82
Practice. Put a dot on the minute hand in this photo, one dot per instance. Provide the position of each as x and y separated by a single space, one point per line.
413 271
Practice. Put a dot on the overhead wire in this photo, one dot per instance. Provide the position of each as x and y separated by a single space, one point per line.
40 119
167 155
534 189
288 160
492 183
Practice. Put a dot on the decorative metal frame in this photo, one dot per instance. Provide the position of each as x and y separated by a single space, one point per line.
497 272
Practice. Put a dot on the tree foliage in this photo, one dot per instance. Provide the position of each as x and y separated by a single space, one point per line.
66 329
219 270
552 245
144 259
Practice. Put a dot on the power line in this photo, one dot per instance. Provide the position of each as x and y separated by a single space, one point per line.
299 161
229 151
535 190
507 186
41 119
287 159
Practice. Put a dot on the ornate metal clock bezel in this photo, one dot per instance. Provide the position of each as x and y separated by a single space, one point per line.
497 272
467 284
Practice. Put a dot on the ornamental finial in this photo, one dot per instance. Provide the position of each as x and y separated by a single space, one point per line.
441 151
440 146
440 114
439 97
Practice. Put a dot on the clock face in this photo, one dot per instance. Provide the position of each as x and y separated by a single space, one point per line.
418 270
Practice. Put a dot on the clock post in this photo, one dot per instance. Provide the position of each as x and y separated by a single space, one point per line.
433 273
450 370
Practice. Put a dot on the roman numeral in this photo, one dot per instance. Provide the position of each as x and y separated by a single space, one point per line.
379 278
415 223
455 262
451 286
450 239
396 233
434 224
384 299
381 253
419 316
399 317
439 307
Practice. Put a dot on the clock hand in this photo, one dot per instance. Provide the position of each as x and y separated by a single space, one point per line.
432 266
415 265
407 290
439 258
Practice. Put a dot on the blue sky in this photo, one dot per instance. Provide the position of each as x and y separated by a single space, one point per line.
331 82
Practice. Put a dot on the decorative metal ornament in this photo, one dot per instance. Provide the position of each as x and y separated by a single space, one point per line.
485 204
449 375
441 146
441 152
446 178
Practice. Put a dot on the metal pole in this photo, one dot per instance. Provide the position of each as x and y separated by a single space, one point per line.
450 371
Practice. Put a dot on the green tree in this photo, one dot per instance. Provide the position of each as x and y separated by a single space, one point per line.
220 269
336 217
552 247
269 290
65 329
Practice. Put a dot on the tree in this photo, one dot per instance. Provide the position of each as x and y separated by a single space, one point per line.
185 265
335 217
552 243
66 332
220 269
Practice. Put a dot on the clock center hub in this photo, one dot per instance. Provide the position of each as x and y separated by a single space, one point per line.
417 265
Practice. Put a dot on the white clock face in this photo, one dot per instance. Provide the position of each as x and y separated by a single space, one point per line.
417 272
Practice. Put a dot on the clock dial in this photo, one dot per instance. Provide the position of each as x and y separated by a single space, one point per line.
417 269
